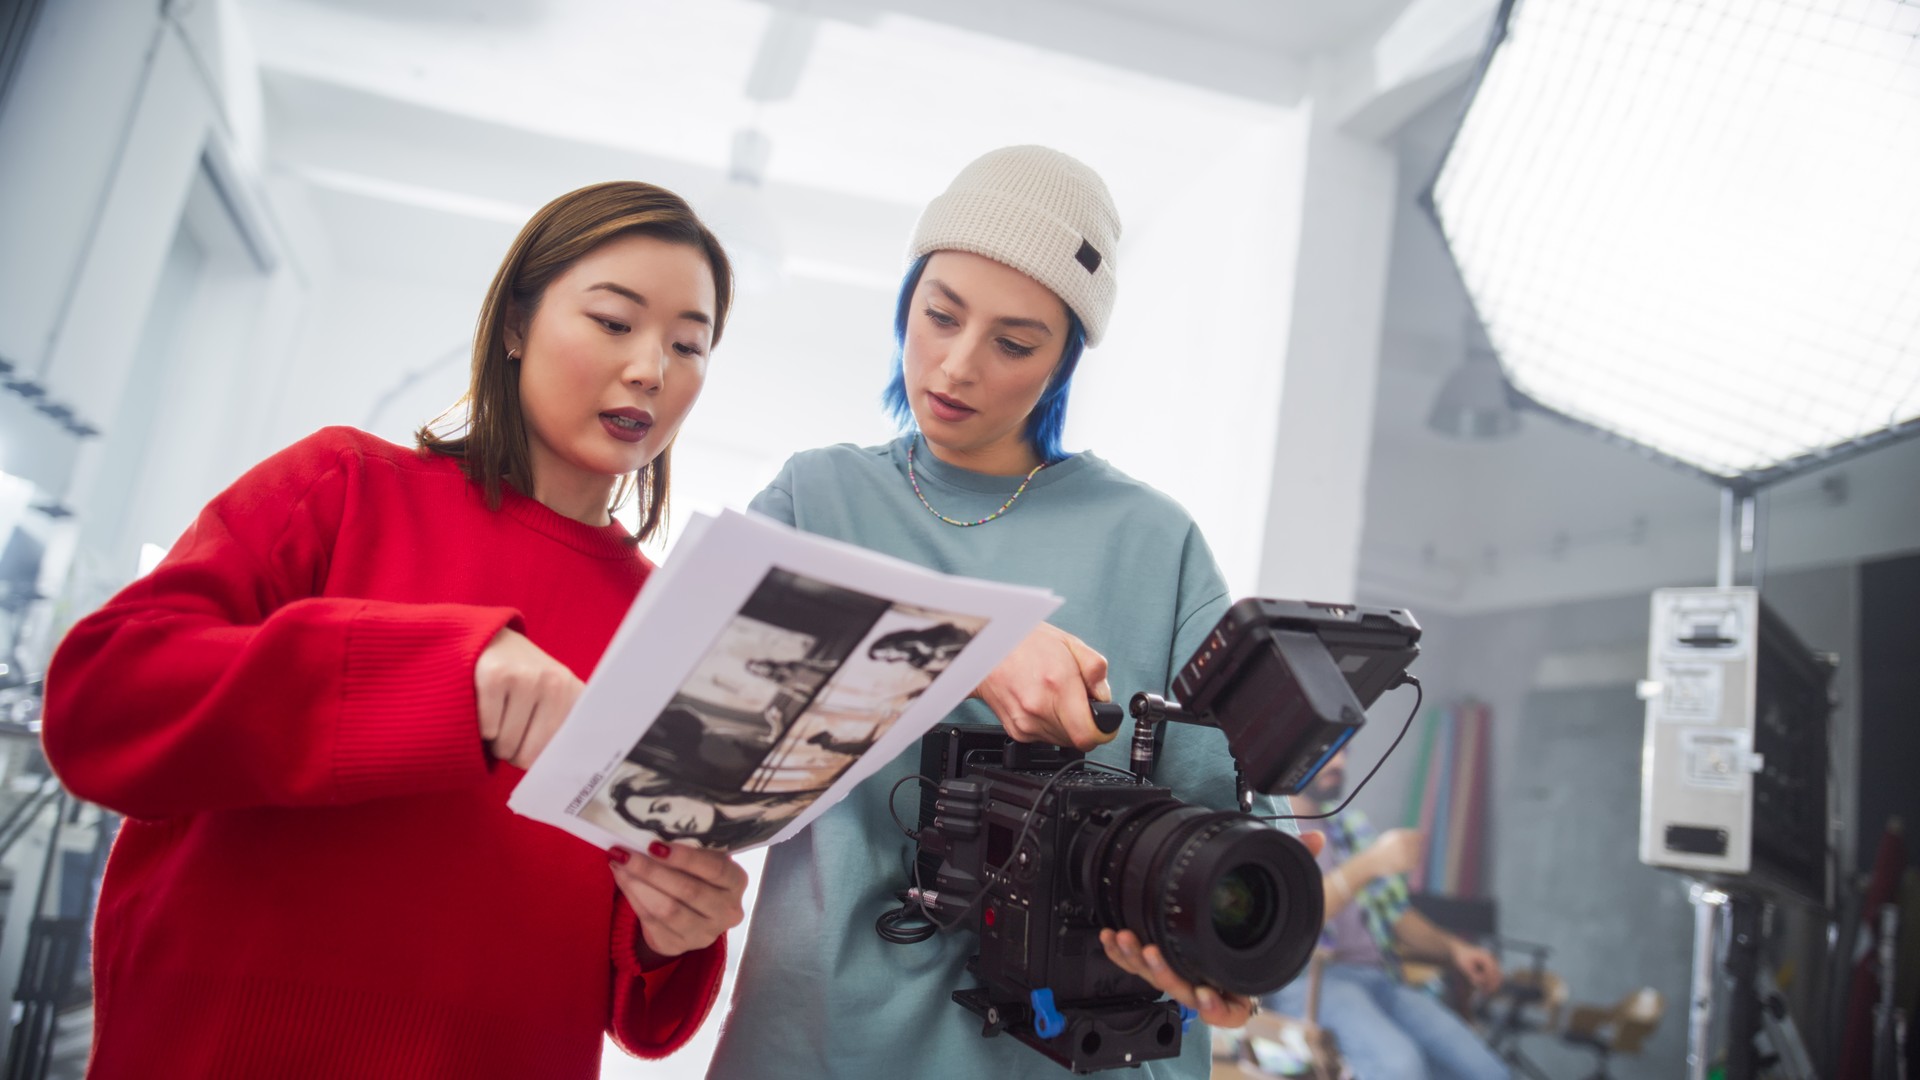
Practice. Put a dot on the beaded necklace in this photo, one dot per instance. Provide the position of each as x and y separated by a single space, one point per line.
1004 507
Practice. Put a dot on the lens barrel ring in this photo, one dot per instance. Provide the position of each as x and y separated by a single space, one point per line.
1160 868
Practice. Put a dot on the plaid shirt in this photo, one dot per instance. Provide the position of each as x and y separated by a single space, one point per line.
1381 902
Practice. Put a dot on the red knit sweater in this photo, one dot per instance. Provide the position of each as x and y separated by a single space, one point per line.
319 876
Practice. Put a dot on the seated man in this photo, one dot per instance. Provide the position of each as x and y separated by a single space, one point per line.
1387 1030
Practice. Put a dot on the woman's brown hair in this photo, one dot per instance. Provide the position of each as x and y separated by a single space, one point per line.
492 444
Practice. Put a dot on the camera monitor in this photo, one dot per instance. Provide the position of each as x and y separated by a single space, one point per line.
1289 681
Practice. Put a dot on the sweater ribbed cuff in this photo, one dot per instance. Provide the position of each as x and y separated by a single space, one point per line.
655 1012
408 720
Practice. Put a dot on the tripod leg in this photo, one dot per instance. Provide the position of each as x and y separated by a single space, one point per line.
1743 1003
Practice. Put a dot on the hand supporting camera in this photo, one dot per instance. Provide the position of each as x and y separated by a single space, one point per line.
1215 1007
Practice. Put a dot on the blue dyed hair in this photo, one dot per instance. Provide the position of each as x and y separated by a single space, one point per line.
1048 419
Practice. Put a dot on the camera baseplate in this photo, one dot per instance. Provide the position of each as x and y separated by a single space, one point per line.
1113 1036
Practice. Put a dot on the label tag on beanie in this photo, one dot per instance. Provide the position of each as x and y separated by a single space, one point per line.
1087 257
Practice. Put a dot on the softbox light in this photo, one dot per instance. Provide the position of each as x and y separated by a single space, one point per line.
1691 224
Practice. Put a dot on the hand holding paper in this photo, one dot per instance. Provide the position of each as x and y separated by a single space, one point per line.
764 672
684 895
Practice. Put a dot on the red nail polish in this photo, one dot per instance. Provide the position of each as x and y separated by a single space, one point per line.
659 850
619 855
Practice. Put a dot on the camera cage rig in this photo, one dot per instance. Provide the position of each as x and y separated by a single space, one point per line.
1287 682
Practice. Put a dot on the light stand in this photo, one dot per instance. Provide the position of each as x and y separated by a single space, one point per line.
1706 914
1727 900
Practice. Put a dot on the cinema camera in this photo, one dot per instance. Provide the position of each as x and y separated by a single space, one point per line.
1036 848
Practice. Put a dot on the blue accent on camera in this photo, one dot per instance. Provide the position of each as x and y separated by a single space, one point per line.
1047 1021
1186 1018
1326 757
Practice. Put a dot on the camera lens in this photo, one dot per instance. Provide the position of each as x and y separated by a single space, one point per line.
1231 901
1244 904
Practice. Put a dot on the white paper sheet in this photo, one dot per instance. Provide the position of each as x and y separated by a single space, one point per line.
760 675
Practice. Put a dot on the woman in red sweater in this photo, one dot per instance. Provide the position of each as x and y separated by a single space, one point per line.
313 710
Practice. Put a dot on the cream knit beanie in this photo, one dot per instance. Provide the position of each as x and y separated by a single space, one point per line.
1040 212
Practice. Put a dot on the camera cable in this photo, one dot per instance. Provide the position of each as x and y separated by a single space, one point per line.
1419 693
913 921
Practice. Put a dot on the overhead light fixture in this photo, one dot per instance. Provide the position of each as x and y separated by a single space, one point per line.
1475 401
740 215
1689 223
739 212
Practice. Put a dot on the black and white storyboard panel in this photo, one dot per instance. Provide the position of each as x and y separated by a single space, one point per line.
761 674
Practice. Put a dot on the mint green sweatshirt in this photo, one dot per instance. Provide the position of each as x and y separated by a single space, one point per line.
819 994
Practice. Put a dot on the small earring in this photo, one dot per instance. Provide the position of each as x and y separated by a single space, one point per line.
513 356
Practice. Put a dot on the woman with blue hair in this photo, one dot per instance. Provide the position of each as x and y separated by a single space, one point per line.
1012 277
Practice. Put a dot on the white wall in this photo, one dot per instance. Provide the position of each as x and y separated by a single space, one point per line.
1319 456
1184 394
60 134
63 127
130 127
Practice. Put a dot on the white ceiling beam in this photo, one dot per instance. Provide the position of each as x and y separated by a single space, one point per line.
358 141
1429 51
1116 39
782 56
